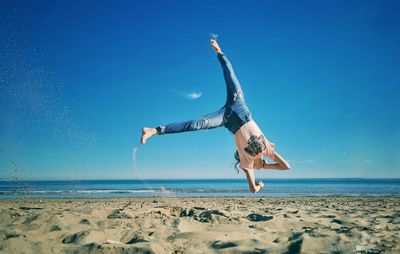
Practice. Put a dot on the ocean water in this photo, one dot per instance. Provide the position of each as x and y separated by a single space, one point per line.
198 188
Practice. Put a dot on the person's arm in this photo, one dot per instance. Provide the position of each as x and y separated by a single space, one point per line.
281 163
272 166
254 187
263 164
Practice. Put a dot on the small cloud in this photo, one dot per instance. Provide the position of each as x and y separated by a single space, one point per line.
193 96
368 162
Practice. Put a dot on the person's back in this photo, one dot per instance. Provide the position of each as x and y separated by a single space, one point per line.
251 144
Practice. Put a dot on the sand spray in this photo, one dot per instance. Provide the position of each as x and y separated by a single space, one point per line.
136 170
139 176
31 95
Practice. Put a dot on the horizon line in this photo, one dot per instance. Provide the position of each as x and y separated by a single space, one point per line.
183 179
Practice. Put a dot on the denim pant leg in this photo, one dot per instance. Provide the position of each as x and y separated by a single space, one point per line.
237 110
233 90
209 121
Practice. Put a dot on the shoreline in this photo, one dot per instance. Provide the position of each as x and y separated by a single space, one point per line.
201 225
200 197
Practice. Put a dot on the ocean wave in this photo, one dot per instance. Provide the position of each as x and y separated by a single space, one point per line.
60 192
121 191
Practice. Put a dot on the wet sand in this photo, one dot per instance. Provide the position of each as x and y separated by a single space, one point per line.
201 225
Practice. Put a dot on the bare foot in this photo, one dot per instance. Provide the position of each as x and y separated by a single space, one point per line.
147 133
215 46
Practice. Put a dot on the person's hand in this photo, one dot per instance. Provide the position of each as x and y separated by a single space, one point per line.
260 183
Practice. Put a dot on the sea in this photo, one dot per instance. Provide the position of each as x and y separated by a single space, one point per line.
198 188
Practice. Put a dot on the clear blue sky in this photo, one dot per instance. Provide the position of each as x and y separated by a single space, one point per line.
78 80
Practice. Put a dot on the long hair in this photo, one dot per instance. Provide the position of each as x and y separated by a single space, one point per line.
237 158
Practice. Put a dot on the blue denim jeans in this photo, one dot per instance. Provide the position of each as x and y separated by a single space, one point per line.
232 115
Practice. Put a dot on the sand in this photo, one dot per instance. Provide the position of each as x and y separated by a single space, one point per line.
201 225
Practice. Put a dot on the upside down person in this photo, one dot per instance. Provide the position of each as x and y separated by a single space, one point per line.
251 144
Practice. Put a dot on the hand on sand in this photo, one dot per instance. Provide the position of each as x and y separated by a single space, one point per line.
260 183
215 46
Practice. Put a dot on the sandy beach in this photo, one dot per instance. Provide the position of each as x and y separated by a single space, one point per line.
201 225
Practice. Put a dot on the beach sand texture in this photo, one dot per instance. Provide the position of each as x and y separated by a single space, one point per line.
201 225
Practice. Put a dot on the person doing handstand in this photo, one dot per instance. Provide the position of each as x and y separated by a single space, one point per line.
250 142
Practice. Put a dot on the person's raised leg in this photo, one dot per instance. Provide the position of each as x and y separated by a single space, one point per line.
209 121
233 89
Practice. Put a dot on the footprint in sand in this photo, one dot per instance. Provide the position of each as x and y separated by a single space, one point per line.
75 238
258 217
223 245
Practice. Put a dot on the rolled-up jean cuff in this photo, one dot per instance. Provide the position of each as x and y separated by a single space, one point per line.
160 129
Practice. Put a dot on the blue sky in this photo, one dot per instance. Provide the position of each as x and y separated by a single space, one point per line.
79 79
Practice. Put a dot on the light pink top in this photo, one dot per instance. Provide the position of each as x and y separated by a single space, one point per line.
251 144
